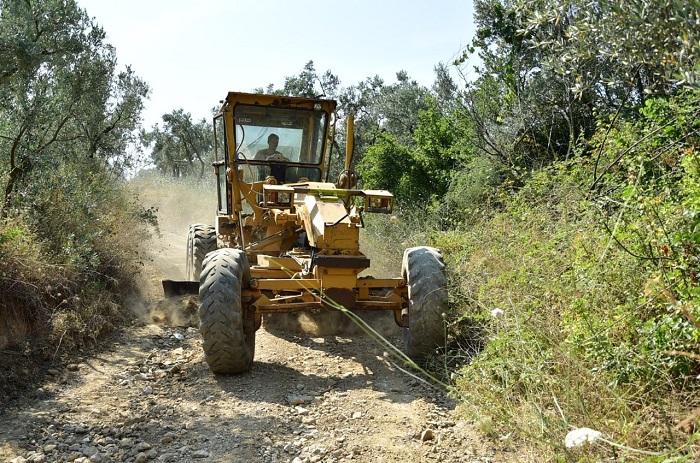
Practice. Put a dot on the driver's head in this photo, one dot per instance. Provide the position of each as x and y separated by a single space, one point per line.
272 141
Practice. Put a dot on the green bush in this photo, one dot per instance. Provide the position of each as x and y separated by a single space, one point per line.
649 202
70 258
573 335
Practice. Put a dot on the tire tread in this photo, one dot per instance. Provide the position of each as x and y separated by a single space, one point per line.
227 348
424 270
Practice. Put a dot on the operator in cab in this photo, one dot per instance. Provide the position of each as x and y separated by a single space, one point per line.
278 166
271 151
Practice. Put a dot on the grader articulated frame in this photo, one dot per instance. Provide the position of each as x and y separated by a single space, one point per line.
286 239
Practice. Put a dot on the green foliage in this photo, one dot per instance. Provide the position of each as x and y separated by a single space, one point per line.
599 287
62 275
11 235
61 97
652 44
516 261
69 233
307 84
388 165
578 343
442 146
180 143
468 198
559 64
423 171
648 202
385 108
526 113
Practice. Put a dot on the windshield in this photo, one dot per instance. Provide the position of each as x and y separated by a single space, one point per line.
279 135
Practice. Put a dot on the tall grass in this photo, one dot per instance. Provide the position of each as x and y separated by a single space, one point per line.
551 326
68 261
560 311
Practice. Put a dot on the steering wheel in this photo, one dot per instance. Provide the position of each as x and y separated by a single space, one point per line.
277 157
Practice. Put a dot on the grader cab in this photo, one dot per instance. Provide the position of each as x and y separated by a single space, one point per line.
286 239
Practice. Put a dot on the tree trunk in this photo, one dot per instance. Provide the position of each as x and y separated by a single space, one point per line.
15 172
201 167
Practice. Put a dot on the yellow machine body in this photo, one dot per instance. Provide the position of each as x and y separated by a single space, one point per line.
299 231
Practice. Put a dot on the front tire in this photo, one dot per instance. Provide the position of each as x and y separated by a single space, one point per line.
424 271
228 349
201 240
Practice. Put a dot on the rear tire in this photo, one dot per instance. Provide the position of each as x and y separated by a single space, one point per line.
201 240
228 349
424 271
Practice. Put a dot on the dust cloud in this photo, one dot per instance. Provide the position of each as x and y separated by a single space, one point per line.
327 322
182 202
179 203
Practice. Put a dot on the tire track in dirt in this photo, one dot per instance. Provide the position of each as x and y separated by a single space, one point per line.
148 396
151 397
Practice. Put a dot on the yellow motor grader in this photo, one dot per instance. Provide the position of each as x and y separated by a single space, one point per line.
286 239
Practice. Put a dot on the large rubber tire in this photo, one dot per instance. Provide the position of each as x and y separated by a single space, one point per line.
201 240
424 272
227 348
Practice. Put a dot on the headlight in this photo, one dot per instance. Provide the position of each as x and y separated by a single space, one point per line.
380 201
277 196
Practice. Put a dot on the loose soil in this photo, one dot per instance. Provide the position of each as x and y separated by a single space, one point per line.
324 394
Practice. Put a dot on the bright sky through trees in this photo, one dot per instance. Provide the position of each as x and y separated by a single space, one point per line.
192 53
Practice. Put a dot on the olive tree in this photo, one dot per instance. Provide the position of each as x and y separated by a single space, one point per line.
62 99
180 143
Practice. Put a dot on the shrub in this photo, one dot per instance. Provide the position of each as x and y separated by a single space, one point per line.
574 341
68 261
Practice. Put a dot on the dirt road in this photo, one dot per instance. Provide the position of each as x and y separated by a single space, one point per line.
151 397
148 396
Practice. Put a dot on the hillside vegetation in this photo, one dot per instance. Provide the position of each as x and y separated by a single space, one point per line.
69 230
560 175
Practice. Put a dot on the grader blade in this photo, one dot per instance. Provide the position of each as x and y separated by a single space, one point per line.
174 288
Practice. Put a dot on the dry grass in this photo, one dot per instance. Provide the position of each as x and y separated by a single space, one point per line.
64 276
532 383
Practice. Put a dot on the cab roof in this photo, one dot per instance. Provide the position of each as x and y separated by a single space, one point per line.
256 99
